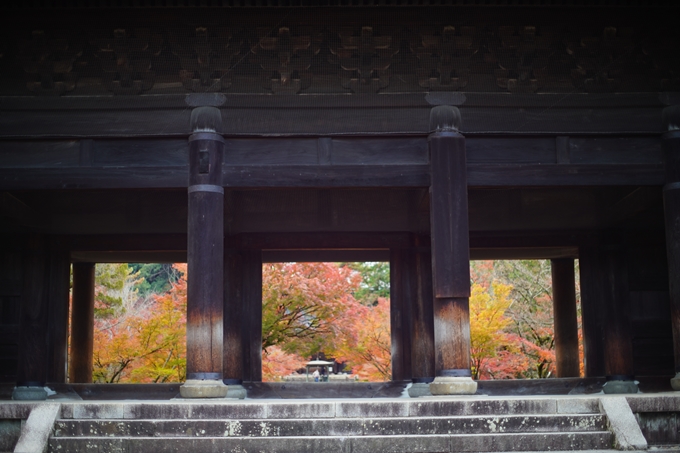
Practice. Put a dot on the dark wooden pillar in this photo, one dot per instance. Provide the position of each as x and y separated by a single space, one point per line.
82 323
205 249
618 341
402 295
450 247
566 322
33 352
605 306
422 316
233 354
59 269
671 200
592 295
252 315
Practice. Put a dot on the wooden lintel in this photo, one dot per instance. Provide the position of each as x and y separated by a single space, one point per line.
307 241
318 256
494 175
150 256
523 253
326 176
127 242
479 175
315 120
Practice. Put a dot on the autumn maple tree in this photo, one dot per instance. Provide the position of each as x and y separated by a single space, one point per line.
366 345
137 339
308 308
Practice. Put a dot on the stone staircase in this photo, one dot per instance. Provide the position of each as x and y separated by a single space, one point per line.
347 426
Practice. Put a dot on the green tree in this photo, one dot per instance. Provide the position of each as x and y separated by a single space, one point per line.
114 288
375 281
156 278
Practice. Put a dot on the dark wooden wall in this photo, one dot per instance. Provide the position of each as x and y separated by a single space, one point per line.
650 307
11 258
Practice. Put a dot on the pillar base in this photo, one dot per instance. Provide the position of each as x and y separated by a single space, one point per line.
619 387
419 389
445 385
675 382
29 393
237 391
203 388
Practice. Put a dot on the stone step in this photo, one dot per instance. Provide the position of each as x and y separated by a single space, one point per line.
441 443
334 426
253 409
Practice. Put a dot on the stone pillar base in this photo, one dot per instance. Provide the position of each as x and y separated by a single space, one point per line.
675 382
617 387
29 394
419 389
203 388
444 385
237 391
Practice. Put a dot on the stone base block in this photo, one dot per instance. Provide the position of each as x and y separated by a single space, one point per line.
675 382
29 394
617 387
198 388
419 389
236 392
453 386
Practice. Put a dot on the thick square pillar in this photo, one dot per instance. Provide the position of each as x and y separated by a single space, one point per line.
618 341
82 324
422 321
205 258
565 318
592 310
605 306
671 201
450 254
44 318
252 315
59 282
233 319
402 294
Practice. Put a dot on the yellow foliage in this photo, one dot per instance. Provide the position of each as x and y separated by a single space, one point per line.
487 322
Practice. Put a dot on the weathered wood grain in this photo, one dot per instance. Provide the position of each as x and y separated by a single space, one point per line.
451 334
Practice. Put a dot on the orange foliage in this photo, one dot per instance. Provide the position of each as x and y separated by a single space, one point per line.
366 344
276 363
309 308
145 343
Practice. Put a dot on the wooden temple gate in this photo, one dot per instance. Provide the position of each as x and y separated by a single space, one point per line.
403 152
